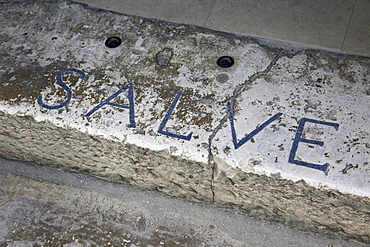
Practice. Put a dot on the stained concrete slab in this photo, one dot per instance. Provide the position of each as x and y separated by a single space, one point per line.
333 25
193 12
316 23
282 134
358 34
50 207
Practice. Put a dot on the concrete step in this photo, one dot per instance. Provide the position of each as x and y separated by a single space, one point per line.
281 134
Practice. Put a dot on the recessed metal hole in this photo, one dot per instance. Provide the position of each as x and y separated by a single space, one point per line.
225 62
113 42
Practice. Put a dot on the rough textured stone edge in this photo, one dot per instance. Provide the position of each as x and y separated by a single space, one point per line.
293 203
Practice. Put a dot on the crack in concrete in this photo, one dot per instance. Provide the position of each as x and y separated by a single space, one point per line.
237 91
349 23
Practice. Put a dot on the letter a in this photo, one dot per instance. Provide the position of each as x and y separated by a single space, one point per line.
130 96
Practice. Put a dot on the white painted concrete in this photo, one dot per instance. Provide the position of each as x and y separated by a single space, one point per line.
287 91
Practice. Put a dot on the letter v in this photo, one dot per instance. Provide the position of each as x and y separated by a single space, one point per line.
238 144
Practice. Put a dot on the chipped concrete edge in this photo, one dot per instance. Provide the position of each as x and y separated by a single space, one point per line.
293 203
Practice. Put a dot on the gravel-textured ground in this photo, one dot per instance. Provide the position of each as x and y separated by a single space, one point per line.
44 206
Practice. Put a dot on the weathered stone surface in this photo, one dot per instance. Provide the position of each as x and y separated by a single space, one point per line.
47 144
175 121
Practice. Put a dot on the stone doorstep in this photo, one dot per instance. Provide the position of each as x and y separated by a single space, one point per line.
279 134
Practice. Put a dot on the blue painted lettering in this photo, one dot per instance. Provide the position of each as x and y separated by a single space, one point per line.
130 96
238 144
65 87
298 138
167 117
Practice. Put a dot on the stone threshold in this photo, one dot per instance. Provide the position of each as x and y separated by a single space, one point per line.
275 133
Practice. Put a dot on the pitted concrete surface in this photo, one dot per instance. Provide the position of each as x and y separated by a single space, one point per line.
44 206
281 134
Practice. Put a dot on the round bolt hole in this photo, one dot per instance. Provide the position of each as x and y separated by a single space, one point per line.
113 42
225 62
